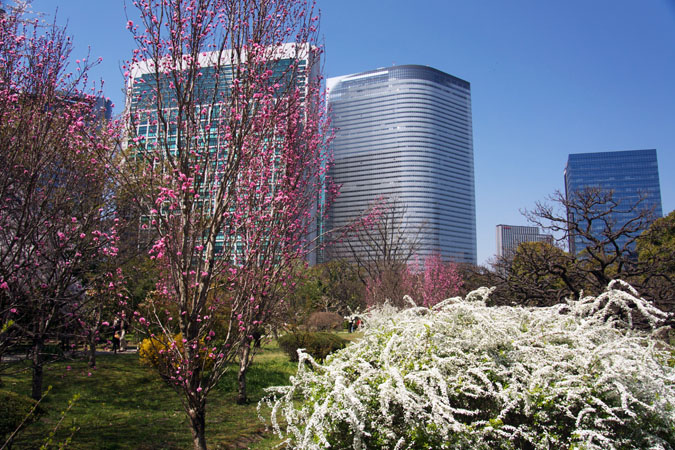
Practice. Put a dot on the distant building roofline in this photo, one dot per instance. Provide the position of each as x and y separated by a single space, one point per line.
332 81
614 152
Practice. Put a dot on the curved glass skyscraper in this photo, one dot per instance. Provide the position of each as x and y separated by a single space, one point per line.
404 135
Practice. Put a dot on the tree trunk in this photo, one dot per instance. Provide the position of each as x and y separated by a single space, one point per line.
197 416
241 376
37 362
92 350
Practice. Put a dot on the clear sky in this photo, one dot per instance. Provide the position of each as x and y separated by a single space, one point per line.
547 78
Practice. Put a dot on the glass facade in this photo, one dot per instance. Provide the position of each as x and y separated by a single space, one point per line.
404 134
629 175
509 237
208 142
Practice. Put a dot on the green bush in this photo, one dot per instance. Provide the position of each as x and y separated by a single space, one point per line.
14 408
319 345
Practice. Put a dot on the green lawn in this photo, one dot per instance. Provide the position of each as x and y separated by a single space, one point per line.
124 405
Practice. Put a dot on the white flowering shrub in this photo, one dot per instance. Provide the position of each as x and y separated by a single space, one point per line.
466 376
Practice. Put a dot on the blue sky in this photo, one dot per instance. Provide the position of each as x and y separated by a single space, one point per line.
547 78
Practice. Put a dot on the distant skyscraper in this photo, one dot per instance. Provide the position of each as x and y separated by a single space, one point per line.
104 106
509 237
629 175
404 134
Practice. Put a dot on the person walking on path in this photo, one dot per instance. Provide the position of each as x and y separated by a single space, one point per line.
117 330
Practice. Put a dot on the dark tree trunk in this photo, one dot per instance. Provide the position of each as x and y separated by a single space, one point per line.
241 375
257 338
37 363
197 415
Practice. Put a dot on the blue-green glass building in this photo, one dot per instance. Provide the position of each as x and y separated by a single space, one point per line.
631 176
290 65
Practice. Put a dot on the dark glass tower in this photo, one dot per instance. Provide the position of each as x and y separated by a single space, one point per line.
404 134
629 175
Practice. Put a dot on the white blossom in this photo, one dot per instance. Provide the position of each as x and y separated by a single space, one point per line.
467 376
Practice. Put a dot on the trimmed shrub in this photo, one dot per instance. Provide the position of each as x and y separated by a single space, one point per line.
463 375
319 345
324 321
14 408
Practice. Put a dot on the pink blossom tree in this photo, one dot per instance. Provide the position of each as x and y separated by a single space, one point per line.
54 219
226 157
435 281
439 280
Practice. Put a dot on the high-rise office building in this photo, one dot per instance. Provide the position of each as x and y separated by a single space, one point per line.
509 237
290 66
404 136
631 176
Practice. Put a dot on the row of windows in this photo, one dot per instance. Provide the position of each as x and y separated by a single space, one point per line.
404 101
395 103
391 98
401 129
401 156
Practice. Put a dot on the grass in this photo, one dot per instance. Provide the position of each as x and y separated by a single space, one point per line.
124 405
351 337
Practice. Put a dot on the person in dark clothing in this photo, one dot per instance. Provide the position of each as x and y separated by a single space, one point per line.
117 329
